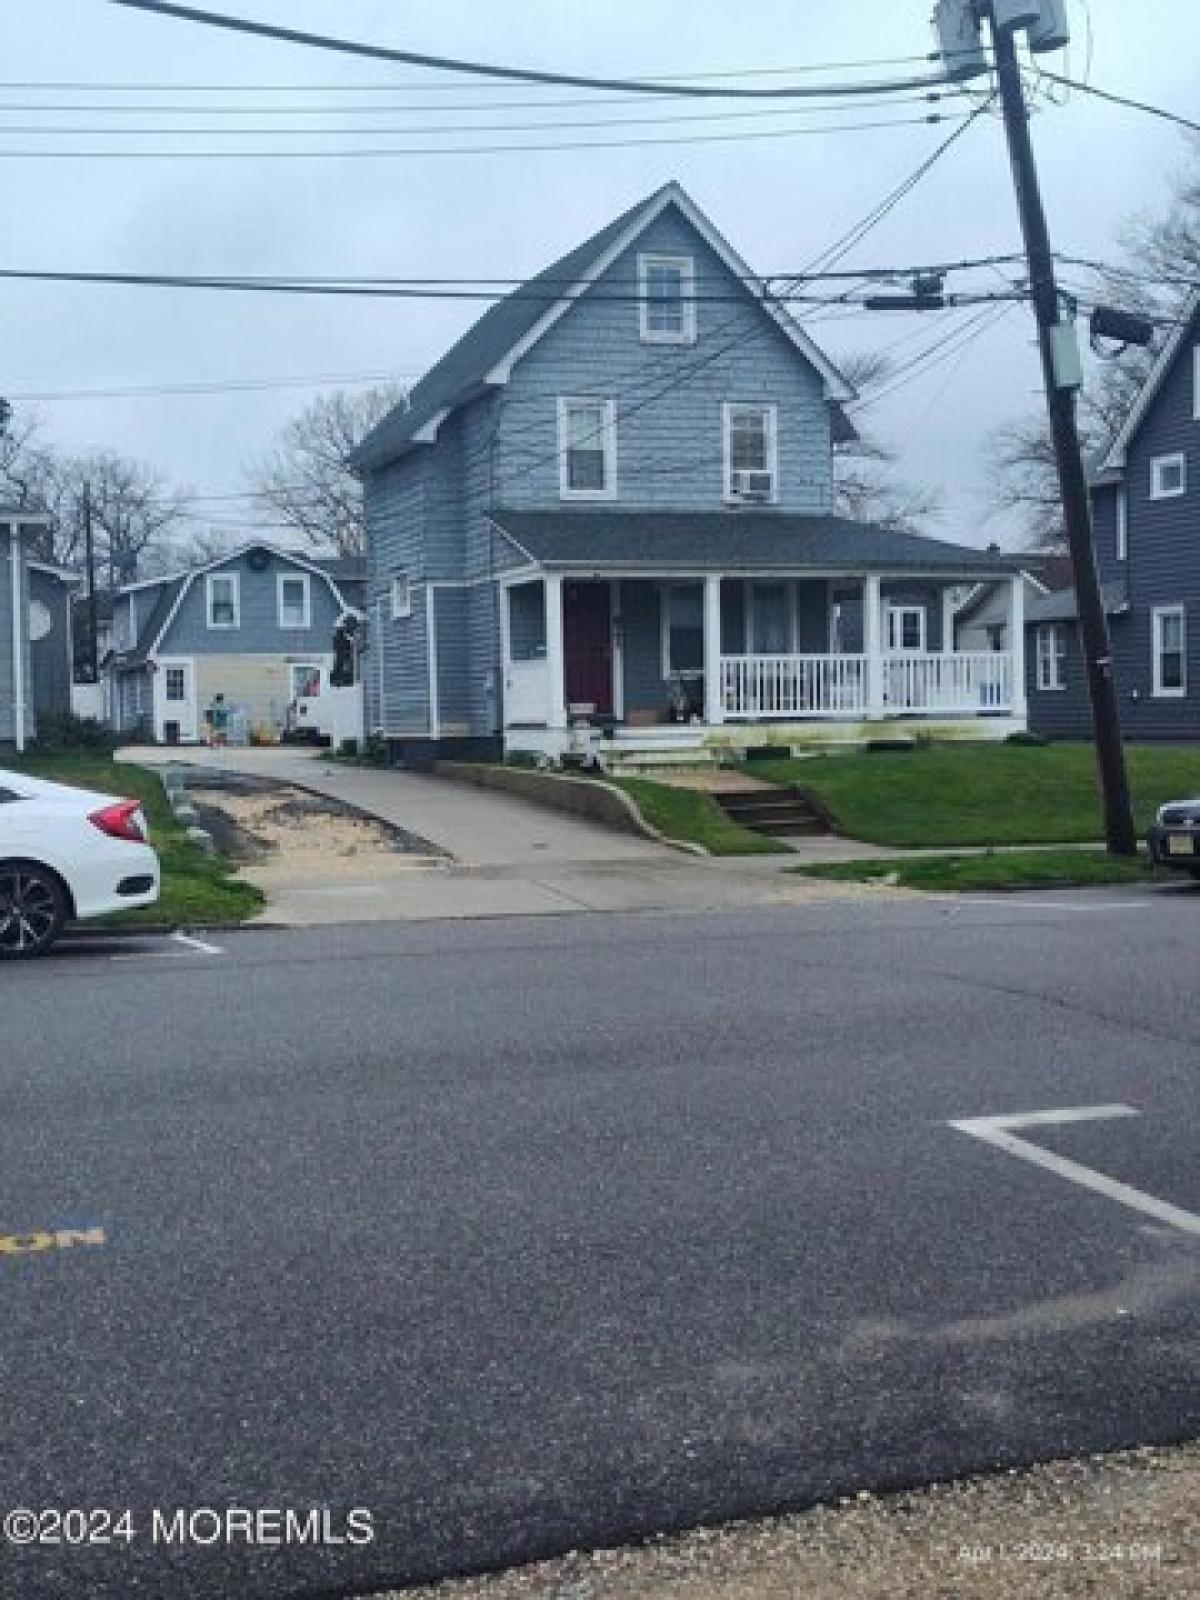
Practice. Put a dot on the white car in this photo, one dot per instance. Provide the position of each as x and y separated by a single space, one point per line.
67 855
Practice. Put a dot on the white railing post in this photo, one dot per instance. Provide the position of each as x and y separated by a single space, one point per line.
1016 627
872 628
714 699
556 686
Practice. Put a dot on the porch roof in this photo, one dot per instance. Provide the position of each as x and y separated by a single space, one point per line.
736 541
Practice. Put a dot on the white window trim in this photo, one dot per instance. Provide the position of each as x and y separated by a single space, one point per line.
1158 615
1158 464
303 578
895 610
771 411
1196 382
1049 658
308 667
400 608
687 277
210 582
608 441
1122 524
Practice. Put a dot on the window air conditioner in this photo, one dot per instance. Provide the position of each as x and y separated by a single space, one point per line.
753 486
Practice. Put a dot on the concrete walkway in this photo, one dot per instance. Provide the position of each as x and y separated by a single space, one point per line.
504 856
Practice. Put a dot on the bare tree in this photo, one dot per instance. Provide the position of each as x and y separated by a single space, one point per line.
306 482
1162 262
865 485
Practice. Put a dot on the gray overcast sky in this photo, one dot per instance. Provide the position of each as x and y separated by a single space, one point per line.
779 201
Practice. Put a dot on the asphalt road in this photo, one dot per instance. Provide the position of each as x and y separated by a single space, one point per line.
524 1235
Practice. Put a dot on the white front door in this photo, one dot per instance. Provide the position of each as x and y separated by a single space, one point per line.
175 712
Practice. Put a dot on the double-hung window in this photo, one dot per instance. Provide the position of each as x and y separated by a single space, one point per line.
587 449
401 596
906 629
667 298
1169 629
1051 647
176 684
294 600
1168 476
224 600
751 455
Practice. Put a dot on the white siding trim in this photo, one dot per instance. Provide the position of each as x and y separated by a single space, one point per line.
1122 523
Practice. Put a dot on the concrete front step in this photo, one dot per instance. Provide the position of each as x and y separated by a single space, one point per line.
784 813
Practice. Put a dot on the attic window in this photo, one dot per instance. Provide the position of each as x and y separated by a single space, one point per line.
667 298
1168 476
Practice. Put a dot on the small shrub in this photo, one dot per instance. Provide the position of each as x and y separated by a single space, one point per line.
63 730
348 749
375 751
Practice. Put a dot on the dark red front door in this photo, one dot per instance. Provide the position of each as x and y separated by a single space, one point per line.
587 645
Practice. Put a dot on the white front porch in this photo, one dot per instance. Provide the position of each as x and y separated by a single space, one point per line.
675 668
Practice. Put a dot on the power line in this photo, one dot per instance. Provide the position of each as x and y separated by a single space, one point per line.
438 130
375 52
1124 100
379 152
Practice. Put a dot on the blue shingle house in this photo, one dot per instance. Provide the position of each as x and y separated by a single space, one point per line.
255 626
603 526
1146 513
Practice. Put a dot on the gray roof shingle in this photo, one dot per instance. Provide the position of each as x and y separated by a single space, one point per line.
735 541
1062 606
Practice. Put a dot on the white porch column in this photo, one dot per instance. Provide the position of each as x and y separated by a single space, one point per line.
1016 628
872 625
948 610
556 683
714 710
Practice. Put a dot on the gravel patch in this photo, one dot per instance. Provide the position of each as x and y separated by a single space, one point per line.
1124 1525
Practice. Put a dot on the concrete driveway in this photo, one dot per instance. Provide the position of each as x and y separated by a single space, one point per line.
506 856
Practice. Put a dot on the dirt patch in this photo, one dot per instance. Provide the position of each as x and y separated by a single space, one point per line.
1073 1530
256 822
709 780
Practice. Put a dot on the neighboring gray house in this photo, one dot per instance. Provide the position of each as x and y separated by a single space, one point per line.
981 618
35 629
610 505
255 626
1146 510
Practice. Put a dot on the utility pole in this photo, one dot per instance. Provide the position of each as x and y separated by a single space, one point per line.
1061 368
89 548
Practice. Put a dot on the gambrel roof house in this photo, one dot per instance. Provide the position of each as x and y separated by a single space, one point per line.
603 526
35 628
255 626
1146 516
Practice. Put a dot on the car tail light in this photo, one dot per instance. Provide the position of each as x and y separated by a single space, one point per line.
124 820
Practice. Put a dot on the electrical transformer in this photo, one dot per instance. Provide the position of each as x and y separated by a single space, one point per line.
1012 14
1052 30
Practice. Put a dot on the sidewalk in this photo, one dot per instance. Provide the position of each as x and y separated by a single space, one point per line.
504 856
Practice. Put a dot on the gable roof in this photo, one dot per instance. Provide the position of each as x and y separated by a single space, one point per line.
1114 460
491 347
1062 605
733 541
176 586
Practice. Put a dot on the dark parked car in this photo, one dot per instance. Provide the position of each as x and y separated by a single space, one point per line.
1174 839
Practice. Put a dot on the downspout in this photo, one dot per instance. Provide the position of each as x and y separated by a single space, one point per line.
18 637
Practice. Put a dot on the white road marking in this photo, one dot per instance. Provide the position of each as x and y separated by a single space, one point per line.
1021 902
197 944
997 1131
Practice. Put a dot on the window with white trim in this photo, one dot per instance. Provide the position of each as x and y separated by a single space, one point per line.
1168 476
682 628
175 684
751 452
1122 524
306 680
294 600
1169 631
401 596
906 629
224 596
587 449
1050 650
667 299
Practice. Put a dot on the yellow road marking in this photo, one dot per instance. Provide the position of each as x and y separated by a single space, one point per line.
29 1244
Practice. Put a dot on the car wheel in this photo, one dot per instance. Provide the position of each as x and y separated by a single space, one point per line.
33 909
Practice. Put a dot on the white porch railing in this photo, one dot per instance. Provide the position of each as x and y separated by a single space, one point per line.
950 683
793 686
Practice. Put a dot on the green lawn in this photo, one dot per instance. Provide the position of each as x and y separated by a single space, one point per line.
197 888
982 794
1010 869
695 817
